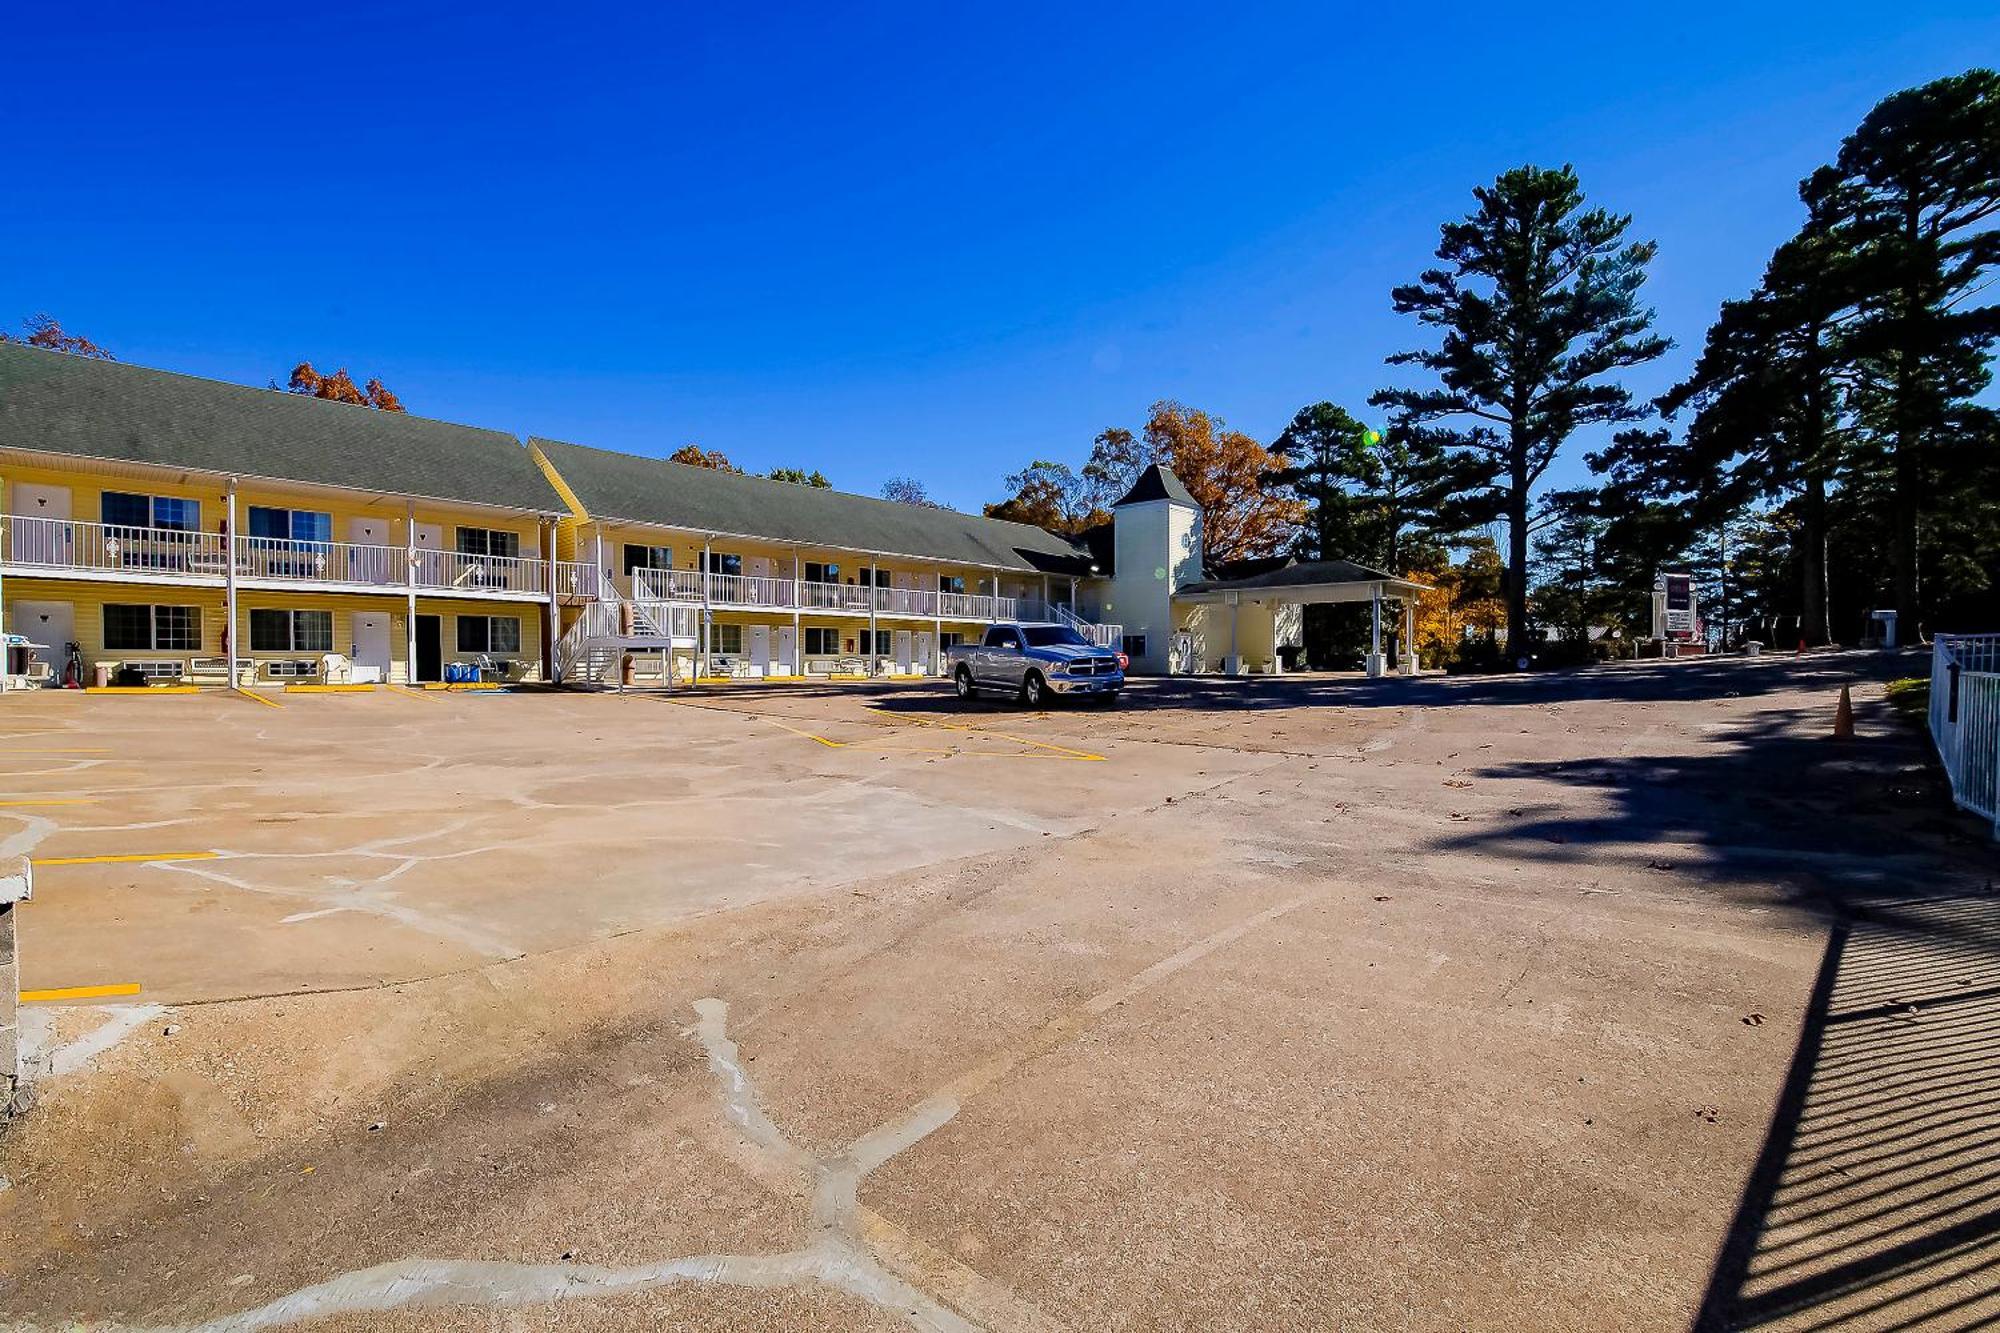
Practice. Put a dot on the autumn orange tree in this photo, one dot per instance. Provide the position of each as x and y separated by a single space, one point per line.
695 456
45 331
1224 471
339 387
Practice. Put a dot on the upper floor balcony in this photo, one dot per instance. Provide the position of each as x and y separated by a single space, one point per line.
71 548
582 581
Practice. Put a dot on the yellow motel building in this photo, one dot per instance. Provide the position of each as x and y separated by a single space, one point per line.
166 528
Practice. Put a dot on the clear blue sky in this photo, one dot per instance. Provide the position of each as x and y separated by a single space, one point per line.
929 239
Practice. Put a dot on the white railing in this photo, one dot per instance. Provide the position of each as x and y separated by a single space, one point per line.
1965 719
282 559
203 557
1104 636
579 579
61 543
461 572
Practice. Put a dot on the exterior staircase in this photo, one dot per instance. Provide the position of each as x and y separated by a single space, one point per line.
593 649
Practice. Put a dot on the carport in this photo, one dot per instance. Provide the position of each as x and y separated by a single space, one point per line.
1255 602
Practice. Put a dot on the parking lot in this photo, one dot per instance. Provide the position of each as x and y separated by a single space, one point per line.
1310 1003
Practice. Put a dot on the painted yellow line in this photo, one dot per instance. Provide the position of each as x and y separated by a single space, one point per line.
1008 736
80 992
142 689
252 694
134 856
73 800
99 750
458 686
404 689
330 689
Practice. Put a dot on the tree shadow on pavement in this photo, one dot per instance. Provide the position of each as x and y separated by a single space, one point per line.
1875 1203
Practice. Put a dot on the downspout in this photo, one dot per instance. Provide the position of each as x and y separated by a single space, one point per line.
874 596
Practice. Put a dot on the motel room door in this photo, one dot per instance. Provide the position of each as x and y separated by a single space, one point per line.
925 663
370 649
430 648
51 624
373 566
903 651
785 649
41 543
760 649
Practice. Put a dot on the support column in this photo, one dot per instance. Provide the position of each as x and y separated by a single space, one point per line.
555 601
874 596
1410 667
1047 608
1375 630
410 585
1234 662
798 619
229 548
707 610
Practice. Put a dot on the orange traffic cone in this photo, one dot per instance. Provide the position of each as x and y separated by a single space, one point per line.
1843 717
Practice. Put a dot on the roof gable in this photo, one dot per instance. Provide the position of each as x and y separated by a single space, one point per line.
56 403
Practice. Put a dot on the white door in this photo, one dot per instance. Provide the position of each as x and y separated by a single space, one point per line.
786 648
431 570
758 567
370 649
51 624
903 581
925 663
760 649
903 651
373 566
46 538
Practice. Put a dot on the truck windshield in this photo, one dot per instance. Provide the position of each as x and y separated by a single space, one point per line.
1044 636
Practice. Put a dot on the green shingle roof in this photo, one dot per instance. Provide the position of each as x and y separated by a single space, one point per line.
52 402
676 495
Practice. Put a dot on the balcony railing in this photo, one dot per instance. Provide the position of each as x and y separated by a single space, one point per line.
62 545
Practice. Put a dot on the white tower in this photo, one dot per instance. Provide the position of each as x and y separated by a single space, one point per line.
1157 548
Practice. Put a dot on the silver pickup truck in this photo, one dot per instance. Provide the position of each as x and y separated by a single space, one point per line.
1033 661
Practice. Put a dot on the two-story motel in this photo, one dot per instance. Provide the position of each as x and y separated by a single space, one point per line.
193 530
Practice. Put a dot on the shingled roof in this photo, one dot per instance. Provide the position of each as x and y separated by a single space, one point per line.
52 402
1156 482
624 487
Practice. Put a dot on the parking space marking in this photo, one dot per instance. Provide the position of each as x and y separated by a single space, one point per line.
131 857
30 805
93 750
1006 736
252 694
80 992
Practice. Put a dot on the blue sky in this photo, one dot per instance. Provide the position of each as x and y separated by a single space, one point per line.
929 240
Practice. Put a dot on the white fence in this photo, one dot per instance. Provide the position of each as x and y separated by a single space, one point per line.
1965 718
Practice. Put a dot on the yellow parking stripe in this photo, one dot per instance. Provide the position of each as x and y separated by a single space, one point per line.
252 694
142 689
98 750
75 800
81 992
132 857
330 689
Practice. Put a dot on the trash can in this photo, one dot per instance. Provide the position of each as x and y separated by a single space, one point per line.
1753 649
101 675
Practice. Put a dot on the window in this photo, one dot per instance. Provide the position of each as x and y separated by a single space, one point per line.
879 577
721 562
822 641
817 572
882 646
299 525
1045 636
152 628
1002 637
1134 645
947 641
489 634
648 557
121 509
488 541
951 583
277 631
726 640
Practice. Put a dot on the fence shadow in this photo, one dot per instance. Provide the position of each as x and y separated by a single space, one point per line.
1875 1203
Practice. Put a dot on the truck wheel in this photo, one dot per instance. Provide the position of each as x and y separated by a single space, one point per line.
962 681
1034 690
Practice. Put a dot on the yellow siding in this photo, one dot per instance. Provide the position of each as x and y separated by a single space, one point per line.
88 599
